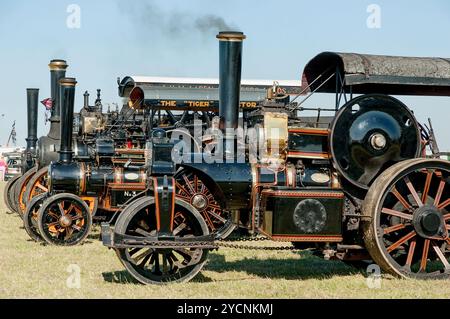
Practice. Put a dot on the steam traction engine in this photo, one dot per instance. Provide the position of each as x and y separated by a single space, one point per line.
362 184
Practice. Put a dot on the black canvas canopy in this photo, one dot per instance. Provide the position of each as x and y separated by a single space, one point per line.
335 72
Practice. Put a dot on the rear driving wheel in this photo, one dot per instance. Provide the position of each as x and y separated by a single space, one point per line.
409 210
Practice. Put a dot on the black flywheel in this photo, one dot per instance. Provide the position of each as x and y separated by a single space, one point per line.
371 133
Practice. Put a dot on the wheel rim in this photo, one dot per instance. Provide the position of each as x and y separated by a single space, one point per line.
22 204
64 221
8 193
37 185
160 266
191 189
413 222
30 217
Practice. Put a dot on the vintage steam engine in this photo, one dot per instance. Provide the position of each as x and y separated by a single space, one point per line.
39 152
360 189
107 140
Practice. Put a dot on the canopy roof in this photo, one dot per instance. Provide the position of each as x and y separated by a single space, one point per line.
364 74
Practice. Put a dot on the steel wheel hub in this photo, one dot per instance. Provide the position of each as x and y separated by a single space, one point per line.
65 221
199 201
428 222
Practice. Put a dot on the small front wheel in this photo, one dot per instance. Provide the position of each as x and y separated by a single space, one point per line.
64 220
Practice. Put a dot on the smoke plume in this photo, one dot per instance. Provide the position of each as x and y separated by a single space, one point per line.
148 17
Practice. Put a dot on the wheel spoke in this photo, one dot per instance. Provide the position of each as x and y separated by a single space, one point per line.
427 186
188 184
391 229
396 213
444 204
70 209
401 241
223 220
144 261
195 183
423 261
440 190
188 255
179 228
61 208
413 191
401 199
52 214
412 247
441 256
156 263
42 187
143 255
142 232
165 265
69 232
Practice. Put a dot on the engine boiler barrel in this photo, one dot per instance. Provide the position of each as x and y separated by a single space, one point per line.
68 101
32 108
230 65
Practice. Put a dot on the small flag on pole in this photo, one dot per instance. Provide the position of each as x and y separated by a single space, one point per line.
48 103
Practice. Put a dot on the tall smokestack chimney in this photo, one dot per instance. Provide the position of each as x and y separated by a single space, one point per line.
67 107
230 51
57 72
32 107
230 65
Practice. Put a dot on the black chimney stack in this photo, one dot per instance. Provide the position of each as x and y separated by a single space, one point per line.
57 72
86 100
32 108
67 107
230 51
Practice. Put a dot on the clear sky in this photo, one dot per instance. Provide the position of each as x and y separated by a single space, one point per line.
173 38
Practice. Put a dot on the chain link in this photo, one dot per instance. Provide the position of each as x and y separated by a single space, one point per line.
222 243
226 243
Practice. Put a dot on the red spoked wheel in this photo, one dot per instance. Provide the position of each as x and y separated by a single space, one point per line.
409 211
19 190
36 186
191 189
64 220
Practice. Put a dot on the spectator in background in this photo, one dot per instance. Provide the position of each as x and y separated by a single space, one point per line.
2 168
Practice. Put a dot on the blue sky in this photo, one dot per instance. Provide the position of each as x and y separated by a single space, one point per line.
119 38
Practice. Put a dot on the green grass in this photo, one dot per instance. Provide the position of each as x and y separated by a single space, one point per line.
32 270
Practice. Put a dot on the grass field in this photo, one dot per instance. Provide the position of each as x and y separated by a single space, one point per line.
32 270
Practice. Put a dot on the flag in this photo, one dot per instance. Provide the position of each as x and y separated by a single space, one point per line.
48 103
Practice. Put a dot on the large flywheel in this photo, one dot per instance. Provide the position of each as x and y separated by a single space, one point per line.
371 133
407 224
